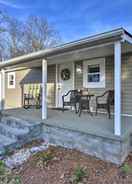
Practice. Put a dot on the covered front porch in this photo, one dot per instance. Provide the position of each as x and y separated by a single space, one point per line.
98 63
98 125
105 51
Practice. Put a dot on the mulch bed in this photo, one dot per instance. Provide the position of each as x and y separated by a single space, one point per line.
60 169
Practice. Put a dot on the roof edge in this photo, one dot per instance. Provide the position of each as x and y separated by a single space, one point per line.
43 53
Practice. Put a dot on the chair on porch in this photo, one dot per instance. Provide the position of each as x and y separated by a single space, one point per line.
28 97
38 96
105 101
74 96
32 97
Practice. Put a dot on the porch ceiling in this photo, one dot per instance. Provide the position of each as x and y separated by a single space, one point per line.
88 53
29 64
80 54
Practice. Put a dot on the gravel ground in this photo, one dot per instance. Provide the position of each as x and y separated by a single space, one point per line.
61 167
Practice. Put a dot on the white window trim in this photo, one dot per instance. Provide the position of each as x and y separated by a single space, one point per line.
101 84
14 85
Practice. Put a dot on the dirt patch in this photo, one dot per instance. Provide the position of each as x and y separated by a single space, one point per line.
60 168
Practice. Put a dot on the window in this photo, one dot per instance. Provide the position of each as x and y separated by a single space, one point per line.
11 80
94 73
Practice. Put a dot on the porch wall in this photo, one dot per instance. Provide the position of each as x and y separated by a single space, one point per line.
126 81
13 97
127 85
51 85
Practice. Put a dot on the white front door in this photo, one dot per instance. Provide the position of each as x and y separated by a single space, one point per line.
65 85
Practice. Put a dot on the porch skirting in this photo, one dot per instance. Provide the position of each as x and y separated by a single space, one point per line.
113 149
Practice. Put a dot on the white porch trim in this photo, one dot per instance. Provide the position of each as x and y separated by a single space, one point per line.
73 69
98 61
44 89
16 69
117 83
127 38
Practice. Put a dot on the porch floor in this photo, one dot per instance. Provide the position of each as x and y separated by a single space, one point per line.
98 125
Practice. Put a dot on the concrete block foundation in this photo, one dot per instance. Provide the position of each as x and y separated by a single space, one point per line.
114 150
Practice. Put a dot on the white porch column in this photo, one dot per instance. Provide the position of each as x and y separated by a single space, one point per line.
117 81
56 81
44 89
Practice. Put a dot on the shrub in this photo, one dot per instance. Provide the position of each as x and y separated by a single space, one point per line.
6 176
17 180
78 175
43 158
2 168
127 169
8 152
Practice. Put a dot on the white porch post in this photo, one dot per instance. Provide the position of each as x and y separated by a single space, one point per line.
2 89
44 89
56 81
117 81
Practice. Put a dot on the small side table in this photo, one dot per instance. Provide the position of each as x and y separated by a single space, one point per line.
84 103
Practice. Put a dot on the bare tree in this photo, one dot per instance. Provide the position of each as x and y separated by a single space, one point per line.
10 37
38 34
3 18
18 38
15 37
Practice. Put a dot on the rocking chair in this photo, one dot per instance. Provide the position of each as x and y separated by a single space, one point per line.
28 97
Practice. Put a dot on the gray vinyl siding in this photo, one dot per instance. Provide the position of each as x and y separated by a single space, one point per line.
13 97
24 78
127 85
109 77
51 85
126 82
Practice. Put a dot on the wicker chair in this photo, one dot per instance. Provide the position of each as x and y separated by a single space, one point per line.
105 101
74 97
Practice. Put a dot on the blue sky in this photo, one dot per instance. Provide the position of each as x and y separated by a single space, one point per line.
75 19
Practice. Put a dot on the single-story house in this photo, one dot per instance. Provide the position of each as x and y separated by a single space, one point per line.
99 63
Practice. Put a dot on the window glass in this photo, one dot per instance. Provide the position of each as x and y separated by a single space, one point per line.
94 73
94 78
93 68
11 80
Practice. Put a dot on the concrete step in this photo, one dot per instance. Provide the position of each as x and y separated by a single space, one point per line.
15 122
15 132
6 143
11 132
